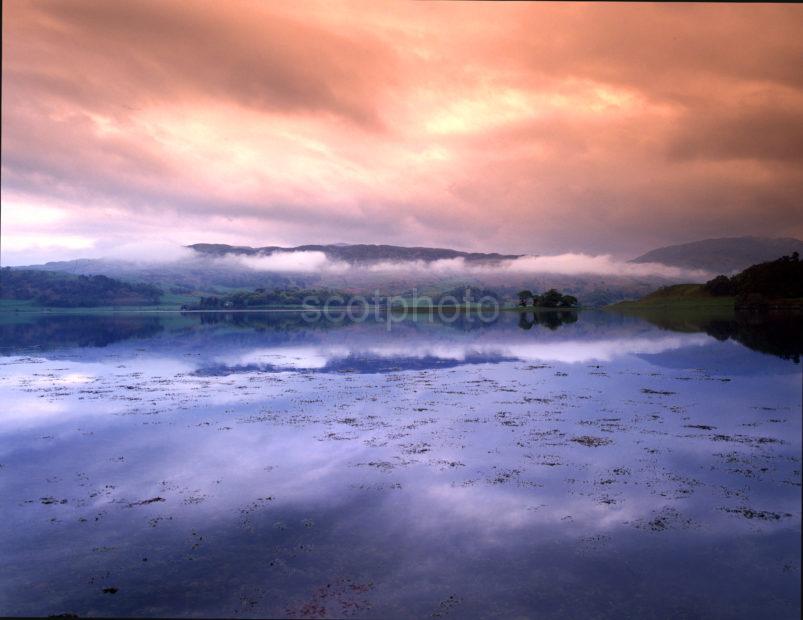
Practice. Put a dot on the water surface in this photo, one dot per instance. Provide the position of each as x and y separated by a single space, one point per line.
259 465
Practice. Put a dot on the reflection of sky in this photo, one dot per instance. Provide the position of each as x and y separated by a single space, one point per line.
428 482
569 351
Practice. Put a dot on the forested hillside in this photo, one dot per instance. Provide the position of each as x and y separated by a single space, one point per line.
49 288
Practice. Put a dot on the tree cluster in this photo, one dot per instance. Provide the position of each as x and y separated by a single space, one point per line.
778 279
550 299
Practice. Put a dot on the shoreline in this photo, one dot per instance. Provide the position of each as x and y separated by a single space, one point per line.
33 310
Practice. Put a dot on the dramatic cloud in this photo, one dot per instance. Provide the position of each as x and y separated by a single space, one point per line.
514 127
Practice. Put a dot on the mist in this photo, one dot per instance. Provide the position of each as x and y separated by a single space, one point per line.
152 251
569 264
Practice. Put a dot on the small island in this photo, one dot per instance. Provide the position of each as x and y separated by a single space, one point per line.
551 299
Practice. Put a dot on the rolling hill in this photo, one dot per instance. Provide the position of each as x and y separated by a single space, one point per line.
724 255
56 289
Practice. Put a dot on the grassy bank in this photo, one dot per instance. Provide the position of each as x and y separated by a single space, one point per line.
678 297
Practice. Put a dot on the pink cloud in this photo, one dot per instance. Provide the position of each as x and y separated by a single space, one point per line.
513 127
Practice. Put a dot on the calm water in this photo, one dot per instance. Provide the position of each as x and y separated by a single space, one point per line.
257 465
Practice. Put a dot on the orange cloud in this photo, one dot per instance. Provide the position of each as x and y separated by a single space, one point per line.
538 128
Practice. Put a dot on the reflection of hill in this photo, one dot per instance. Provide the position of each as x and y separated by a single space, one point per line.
363 363
286 340
781 336
48 332
721 359
776 335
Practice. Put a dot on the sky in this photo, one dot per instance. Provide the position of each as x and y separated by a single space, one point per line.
511 127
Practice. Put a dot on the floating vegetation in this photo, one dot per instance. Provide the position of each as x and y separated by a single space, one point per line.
591 442
145 502
760 515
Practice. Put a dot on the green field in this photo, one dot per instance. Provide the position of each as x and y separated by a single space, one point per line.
678 297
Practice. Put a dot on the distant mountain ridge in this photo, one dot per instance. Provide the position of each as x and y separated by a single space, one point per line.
355 253
723 255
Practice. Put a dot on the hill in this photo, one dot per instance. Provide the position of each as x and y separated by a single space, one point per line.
724 255
770 285
48 288
201 273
